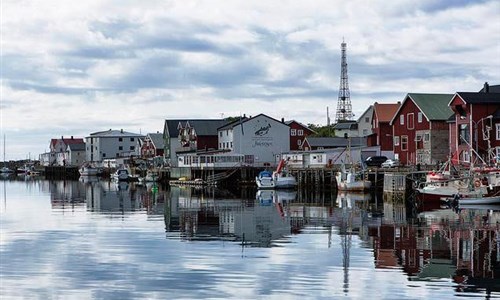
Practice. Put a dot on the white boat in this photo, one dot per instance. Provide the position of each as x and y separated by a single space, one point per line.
279 179
121 175
352 182
87 170
6 170
275 196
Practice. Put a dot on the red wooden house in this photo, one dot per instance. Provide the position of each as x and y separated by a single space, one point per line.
475 128
382 130
420 129
298 134
153 145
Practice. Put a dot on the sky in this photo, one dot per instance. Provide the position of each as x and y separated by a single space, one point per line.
71 68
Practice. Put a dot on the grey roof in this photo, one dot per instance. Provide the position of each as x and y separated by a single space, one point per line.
231 125
351 125
115 133
491 88
202 127
77 147
335 141
157 139
480 98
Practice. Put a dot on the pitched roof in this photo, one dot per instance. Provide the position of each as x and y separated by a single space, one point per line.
370 108
77 147
289 122
479 98
335 141
115 133
73 141
231 125
157 140
490 88
202 127
433 106
385 111
351 125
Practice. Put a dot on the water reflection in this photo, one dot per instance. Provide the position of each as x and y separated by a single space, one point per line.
458 249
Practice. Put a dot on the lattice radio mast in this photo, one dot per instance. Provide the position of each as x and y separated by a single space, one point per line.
344 108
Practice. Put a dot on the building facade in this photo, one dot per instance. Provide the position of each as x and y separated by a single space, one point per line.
382 130
420 129
298 134
111 144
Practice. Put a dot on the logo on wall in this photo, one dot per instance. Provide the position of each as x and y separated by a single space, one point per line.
262 130
261 138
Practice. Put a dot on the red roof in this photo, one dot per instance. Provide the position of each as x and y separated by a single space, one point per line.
73 141
385 111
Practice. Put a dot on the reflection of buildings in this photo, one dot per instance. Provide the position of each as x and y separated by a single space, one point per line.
109 196
443 244
66 194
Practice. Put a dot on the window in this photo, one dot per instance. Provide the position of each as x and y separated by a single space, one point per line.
401 119
132 148
404 143
464 134
396 141
410 120
367 119
220 133
131 139
419 117
120 139
104 155
427 137
498 131
418 137
293 132
300 132
120 148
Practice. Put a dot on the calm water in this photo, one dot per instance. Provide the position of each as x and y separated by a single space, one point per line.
102 240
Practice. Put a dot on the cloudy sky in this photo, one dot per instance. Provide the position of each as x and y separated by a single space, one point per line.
76 67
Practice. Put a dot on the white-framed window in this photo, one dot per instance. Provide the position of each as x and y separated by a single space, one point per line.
498 131
367 119
299 143
410 119
404 143
396 141
293 132
402 119
419 117
418 137
427 137
300 132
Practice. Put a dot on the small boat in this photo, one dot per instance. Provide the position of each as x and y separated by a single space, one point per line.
279 179
352 182
6 170
121 175
87 170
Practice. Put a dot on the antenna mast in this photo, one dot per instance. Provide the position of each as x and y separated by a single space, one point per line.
344 108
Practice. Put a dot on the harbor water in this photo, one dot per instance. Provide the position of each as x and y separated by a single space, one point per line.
95 239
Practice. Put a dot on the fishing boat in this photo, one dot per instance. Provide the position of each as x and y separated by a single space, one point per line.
279 179
351 180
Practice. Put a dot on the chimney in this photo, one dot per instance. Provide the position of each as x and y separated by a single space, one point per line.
121 130
282 120
71 137
486 88
62 137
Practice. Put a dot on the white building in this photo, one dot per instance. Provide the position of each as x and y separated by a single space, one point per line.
365 122
110 144
260 137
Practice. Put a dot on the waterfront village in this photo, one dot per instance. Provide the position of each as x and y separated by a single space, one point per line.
451 140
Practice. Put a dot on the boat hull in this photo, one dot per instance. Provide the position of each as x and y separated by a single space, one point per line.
276 183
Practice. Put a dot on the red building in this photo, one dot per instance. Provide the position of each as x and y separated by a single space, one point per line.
382 130
420 129
298 134
153 145
475 127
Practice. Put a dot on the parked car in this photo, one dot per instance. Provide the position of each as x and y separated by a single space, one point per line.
391 163
375 161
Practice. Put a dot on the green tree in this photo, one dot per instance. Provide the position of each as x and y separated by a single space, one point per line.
322 131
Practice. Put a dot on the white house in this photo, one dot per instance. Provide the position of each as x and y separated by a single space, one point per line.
261 137
109 144
365 122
